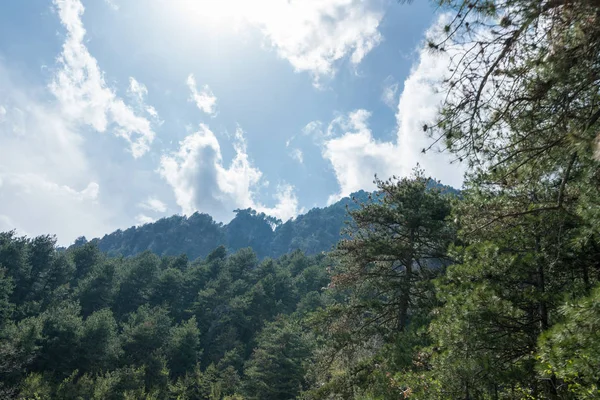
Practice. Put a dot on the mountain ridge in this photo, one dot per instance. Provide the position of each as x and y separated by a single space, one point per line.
197 235
315 231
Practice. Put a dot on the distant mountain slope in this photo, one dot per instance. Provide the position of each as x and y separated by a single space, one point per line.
197 235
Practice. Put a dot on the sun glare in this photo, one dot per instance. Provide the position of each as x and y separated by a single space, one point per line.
220 13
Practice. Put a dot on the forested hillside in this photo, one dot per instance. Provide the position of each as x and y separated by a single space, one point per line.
197 235
316 231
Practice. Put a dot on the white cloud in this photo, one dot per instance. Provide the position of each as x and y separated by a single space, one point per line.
27 183
142 219
297 155
138 92
2 113
286 206
137 89
112 4
201 182
205 99
389 94
82 92
419 104
34 138
312 35
152 111
356 156
154 204
7 224
34 205
313 128
46 185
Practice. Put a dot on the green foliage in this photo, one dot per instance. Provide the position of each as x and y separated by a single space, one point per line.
381 290
198 235
95 327
100 347
144 333
570 351
61 334
85 257
278 364
183 349
521 111
97 290
6 289
35 387
136 286
512 317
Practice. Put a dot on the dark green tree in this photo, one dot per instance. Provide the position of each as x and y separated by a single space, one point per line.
99 348
6 290
381 291
137 285
522 111
169 291
85 256
278 364
145 333
570 351
184 348
61 337
98 289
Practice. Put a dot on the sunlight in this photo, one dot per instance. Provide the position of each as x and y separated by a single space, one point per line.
217 13
283 20
311 34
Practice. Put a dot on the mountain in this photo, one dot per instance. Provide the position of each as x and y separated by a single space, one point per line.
197 235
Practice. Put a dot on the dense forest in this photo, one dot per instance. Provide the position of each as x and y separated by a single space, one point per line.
80 325
490 294
197 235
314 232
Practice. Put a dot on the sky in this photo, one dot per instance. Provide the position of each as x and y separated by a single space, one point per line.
115 113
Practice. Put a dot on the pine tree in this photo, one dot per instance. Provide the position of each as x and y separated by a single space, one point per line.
278 364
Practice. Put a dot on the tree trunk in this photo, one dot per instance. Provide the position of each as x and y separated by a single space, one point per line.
406 285
404 298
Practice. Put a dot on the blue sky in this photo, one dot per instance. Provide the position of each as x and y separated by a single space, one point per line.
118 112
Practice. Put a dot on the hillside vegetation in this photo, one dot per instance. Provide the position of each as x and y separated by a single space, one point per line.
316 231
197 235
